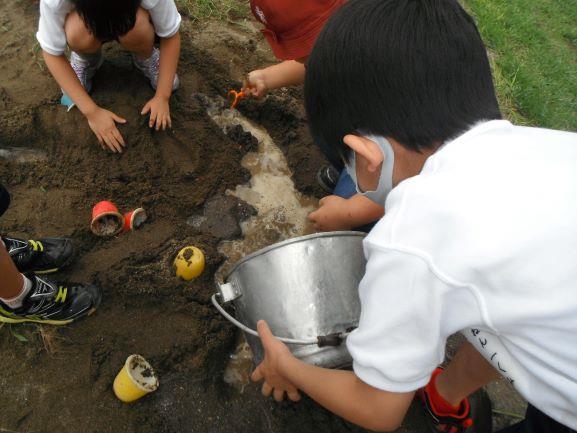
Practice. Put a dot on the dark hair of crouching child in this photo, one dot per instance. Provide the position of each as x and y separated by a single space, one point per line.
106 19
413 70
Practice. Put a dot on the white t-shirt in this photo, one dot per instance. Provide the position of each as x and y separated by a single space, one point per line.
51 36
483 241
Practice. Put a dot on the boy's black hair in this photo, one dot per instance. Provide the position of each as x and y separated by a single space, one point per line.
108 19
413 70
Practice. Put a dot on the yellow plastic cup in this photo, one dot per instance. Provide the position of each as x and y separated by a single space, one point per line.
135 380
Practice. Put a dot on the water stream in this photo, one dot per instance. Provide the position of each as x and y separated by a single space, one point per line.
23 155
281 211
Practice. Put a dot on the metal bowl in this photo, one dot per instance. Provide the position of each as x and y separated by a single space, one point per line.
306 289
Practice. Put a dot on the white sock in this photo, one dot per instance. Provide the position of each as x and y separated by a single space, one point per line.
16 302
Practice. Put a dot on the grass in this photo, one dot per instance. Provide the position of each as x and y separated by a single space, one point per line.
225 10
15 333
533 45
27 332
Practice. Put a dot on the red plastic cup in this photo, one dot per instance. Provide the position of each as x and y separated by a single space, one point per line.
134 219
106 220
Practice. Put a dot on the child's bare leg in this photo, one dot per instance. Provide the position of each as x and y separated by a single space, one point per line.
78 36
140 39
12 280
467 372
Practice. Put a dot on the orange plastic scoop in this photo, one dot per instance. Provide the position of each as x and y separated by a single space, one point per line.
236 97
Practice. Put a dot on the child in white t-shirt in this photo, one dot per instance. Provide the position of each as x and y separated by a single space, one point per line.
83 26
479 233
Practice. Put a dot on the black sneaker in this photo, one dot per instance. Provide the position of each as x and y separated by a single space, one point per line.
475 414
42 256
53 303
327 178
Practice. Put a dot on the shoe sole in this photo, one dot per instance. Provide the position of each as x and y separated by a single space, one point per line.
47 271
5 319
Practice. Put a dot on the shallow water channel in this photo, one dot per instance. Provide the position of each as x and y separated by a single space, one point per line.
281 212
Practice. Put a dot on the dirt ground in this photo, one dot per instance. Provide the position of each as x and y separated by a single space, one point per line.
60 379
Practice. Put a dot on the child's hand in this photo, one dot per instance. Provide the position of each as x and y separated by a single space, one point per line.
270 369
159 112
255 84
331 214
103 124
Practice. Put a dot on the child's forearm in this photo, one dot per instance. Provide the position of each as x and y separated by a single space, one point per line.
344 394
287 73
169 54
337 213
68 81
360 211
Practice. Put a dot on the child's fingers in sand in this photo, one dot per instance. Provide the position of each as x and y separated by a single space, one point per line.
103 124
159 110
118 136
101 141
266 389
161 121
258 374
114 141
278 395
164 123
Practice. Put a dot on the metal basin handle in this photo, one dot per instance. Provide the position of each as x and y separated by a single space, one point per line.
228 292
327 340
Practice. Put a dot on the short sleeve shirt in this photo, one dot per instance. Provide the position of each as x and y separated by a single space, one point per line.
482 241
51 37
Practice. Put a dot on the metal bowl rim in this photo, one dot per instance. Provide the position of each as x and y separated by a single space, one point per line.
292 241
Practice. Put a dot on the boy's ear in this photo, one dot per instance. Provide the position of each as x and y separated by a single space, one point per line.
367 149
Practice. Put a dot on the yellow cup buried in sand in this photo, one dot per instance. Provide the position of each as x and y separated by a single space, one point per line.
135 380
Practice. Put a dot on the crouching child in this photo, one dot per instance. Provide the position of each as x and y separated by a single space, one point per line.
84 26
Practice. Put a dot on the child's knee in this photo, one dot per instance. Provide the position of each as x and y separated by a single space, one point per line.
78 36
142 30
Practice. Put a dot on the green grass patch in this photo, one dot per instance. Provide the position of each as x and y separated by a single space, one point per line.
506 94
225 10
533 44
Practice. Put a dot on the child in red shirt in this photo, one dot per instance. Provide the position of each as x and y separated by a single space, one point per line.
291 29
